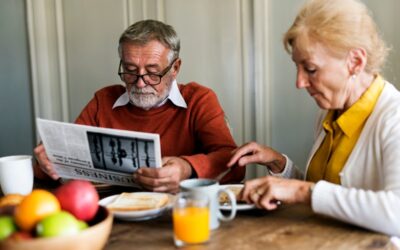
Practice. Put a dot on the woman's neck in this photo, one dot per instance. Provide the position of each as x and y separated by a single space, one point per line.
359 85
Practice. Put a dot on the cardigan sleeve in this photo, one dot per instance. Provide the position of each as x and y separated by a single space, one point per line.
291 171
375 210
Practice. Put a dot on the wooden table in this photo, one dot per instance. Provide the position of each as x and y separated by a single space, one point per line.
290 227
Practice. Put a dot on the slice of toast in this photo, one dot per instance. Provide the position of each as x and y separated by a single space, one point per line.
138 201
11 200
223 197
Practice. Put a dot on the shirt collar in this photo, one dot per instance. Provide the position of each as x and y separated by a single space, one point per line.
355 117
174 96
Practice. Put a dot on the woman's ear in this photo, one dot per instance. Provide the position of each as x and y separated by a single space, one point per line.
356 61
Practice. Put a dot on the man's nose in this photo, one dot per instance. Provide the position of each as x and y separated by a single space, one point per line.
140 82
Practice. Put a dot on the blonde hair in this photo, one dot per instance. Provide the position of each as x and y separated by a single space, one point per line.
341 25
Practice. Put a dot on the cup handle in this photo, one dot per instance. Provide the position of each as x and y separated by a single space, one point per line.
232 199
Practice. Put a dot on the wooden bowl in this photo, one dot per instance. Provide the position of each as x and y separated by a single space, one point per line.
93 238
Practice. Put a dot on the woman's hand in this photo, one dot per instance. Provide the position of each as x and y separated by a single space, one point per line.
267 192
253 152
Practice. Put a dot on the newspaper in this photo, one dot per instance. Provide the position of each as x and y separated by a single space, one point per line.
98 154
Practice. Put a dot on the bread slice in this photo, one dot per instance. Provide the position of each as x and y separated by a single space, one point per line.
11 200
138 201
223 197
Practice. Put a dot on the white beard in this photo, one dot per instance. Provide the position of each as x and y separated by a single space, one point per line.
147 97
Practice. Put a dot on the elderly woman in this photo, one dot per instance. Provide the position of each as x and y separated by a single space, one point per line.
353 172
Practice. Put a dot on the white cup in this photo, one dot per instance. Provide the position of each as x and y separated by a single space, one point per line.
212 189
16 174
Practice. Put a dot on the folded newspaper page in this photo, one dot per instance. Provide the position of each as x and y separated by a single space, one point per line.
98 154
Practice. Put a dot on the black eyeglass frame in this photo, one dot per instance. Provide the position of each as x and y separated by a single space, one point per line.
159 75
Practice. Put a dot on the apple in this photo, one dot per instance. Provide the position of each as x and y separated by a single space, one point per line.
7 227
82 225
80 198
20 236
58 224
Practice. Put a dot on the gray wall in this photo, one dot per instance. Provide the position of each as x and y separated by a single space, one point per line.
292 110
385 13
16 126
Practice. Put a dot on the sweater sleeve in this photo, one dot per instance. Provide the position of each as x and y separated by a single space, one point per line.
100 106
215 142
89 113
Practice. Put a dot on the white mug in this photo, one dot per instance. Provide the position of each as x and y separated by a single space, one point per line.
212 189
16 174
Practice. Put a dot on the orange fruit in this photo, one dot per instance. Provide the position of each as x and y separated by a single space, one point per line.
35 207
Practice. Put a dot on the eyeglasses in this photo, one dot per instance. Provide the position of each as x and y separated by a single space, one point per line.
149 78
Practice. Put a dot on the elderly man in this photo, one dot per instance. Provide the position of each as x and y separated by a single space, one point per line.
195 139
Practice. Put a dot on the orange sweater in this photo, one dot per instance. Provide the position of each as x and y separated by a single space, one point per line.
199 133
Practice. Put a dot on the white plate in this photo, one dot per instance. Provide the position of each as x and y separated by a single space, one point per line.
239 206
138 215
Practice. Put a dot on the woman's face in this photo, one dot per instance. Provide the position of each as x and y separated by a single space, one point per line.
323 75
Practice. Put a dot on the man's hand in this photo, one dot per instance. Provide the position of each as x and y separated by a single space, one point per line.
165 179
44 165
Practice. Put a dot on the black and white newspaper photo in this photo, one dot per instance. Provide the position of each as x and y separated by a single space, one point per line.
98 154
119 153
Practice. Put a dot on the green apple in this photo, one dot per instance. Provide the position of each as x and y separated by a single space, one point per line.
7 226
82 225
57 224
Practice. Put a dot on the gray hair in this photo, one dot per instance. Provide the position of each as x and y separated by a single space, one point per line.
142 32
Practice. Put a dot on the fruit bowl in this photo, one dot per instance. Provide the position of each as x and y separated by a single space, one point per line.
94 237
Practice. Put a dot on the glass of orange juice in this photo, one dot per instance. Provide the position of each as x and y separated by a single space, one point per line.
191 219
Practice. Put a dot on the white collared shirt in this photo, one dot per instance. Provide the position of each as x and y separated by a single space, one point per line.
174 95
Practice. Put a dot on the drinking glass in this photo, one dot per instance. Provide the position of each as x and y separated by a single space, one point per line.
191 218
212 190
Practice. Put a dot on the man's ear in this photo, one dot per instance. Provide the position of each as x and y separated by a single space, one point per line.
176 67
356 60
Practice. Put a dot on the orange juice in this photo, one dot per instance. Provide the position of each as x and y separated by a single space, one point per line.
191 224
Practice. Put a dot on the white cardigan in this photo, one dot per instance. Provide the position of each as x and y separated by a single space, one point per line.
369 194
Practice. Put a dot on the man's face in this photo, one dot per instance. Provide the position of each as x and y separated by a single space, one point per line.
143 59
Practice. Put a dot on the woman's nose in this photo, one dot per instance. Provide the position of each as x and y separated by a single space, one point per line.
301 80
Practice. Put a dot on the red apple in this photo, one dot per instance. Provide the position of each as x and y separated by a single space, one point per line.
80 198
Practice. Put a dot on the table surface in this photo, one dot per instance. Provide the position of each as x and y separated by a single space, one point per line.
289 227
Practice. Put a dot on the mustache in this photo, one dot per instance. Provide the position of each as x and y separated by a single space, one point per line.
145 90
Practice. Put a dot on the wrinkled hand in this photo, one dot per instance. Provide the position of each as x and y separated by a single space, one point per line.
253 152
44 165
267 192
165 179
